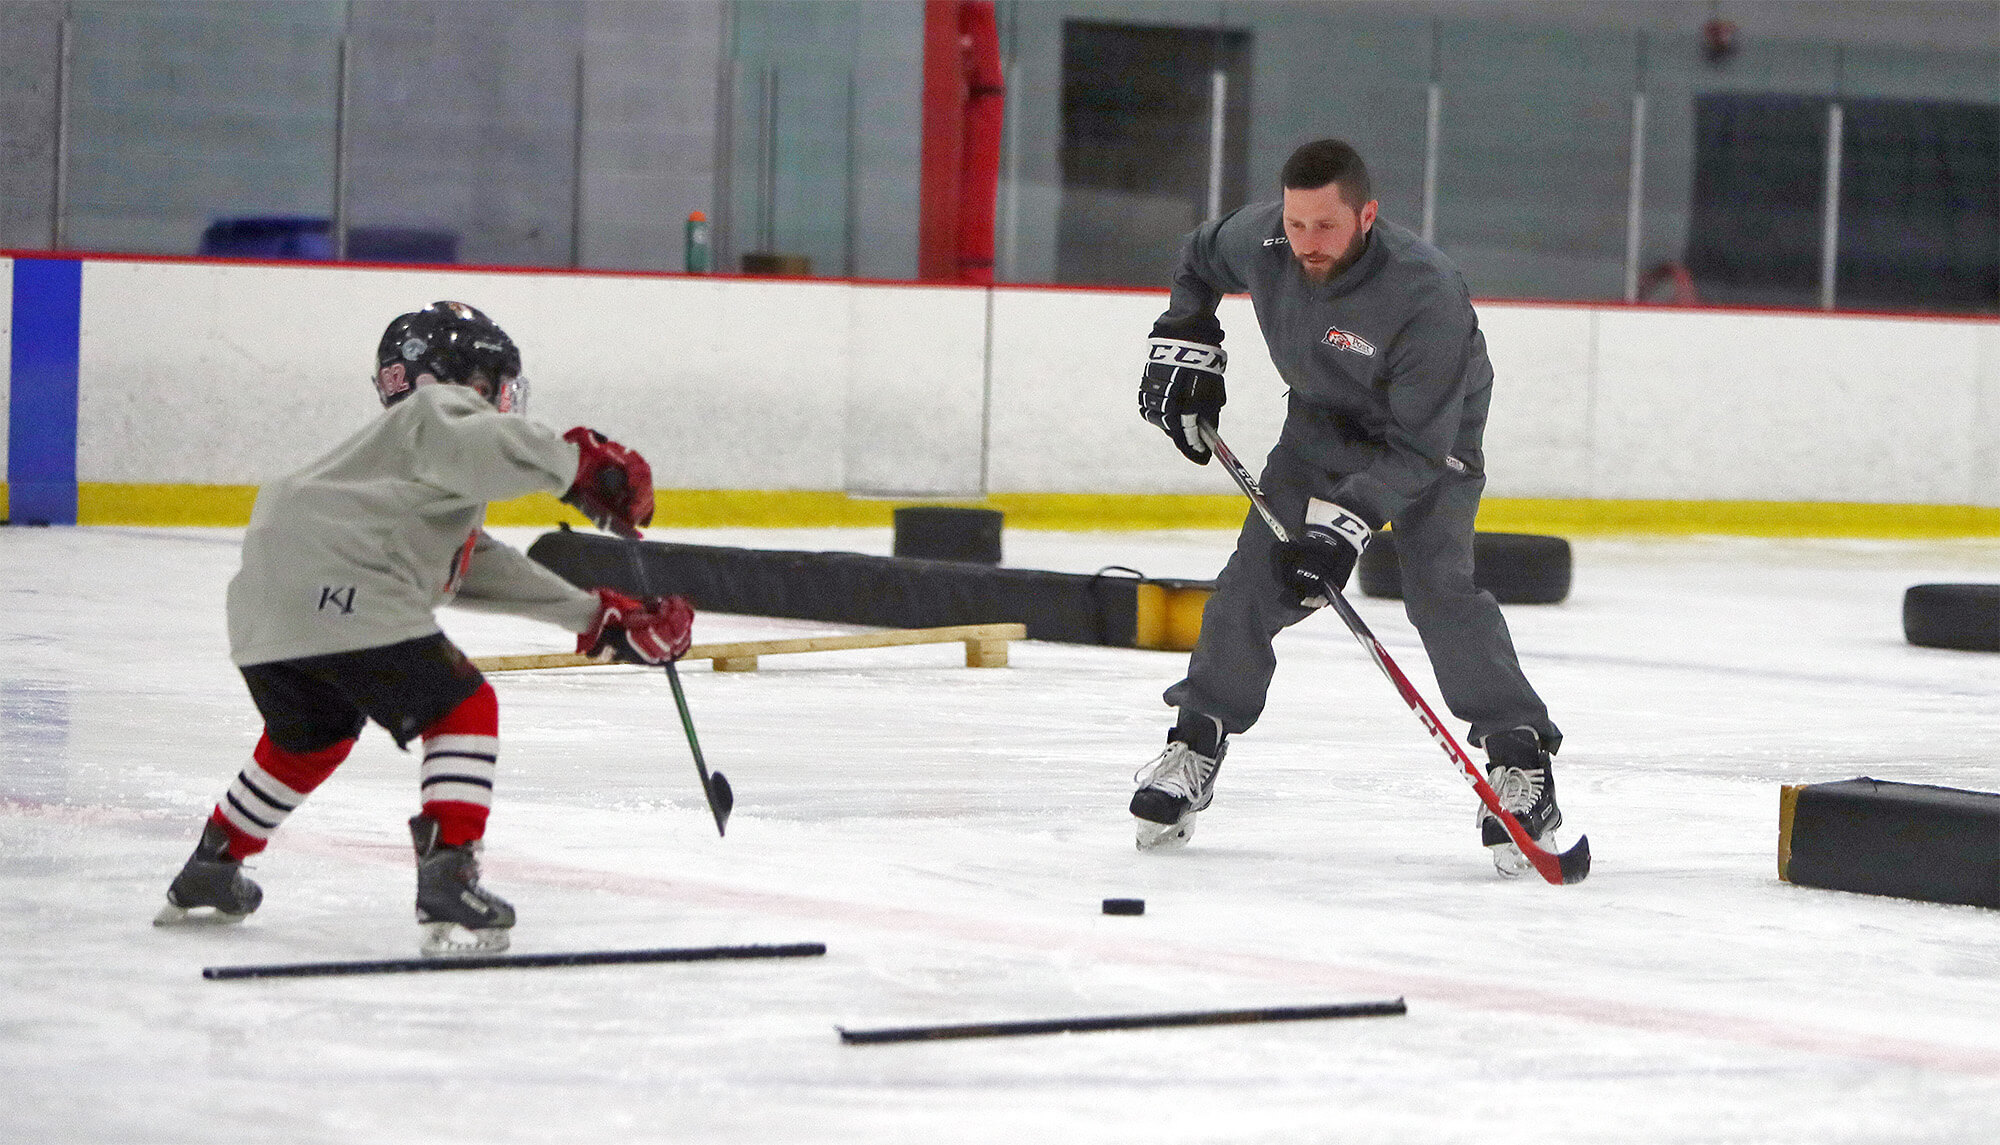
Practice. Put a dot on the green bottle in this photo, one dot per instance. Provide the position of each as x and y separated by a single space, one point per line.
699 259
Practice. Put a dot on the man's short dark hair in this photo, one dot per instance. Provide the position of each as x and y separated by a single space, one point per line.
1326 161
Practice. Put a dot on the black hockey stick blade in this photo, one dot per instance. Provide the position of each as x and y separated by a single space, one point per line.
515 961
1575 862
1121 1022
721 798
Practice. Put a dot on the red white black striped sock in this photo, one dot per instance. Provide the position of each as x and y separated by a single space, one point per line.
269 788
461 755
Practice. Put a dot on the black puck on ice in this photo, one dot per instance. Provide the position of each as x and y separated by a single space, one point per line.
1124 906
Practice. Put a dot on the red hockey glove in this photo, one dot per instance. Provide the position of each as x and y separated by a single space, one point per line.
613 486
650 631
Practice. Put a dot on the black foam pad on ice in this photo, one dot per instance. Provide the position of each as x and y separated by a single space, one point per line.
1909 840
1963 616
853 588
948 533
1517 568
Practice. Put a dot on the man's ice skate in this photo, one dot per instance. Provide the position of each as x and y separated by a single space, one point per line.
1179 784
458 916
212 887
1523 777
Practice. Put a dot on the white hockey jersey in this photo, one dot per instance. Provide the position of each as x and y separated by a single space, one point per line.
359 548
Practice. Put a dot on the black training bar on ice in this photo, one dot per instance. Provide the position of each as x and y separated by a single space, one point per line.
855 588
497 961
1908 840
1123 1022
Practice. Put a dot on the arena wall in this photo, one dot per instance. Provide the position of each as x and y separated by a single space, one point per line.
769 401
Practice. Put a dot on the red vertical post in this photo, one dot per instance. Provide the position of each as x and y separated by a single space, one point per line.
943 141
979 165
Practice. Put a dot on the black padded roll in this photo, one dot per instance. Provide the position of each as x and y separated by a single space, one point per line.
1517 568
1379 572
948 533
1963 616
1936 844
854 588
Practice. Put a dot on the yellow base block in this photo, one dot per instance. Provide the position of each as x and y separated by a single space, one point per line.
986 653
1169 619
1185 607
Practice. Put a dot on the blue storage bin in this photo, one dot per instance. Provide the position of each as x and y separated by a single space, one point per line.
281 236
268 237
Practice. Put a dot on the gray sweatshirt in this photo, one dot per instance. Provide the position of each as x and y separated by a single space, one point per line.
1386 364
359 548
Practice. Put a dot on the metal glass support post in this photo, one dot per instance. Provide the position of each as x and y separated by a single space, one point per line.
1010 232
851 216
342 84
1829 235
576 165
767 159
1433 122
1635 189
1635 193
722 186
1433 118
59 181
1218 102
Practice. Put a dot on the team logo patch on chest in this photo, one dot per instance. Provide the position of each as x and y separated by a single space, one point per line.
1335 336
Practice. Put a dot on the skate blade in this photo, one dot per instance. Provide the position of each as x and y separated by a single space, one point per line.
171 915
1511 863
449 939
1163 836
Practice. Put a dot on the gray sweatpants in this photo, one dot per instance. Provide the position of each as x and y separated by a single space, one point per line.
1461 625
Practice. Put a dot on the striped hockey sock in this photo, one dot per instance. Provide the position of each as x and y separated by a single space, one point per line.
269 788
461 753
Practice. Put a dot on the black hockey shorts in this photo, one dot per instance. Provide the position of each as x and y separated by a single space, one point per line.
316 701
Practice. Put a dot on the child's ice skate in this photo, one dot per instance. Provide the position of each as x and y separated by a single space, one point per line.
458 916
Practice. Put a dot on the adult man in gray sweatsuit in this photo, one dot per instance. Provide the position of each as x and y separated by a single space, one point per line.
1374 332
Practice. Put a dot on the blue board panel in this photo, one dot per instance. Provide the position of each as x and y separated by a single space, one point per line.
41 428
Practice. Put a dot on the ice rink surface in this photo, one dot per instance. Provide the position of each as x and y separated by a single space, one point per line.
949 832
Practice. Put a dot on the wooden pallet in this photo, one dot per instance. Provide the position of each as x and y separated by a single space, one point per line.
985 647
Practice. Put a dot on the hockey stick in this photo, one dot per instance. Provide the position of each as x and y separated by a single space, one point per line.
1121 1022
497 961
1571 866
715 788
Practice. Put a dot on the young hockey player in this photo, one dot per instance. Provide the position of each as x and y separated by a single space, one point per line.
330 616
1374 332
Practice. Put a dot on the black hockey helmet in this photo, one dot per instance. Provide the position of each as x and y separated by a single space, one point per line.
453 344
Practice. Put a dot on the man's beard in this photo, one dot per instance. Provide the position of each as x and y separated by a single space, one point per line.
1332 269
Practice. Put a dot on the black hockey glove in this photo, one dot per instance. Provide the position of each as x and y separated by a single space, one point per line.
1316 563
1181 390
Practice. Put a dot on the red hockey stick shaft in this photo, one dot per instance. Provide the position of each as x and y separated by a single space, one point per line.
1569 867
